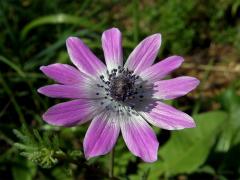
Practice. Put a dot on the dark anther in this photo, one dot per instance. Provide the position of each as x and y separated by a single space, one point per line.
97 93
120 84
121 87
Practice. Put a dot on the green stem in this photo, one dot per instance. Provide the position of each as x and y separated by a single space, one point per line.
207 72
111 164
136 20
12 98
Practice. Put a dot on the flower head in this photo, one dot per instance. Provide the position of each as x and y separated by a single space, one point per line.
118 97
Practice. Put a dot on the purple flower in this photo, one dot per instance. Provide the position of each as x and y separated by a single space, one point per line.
118 97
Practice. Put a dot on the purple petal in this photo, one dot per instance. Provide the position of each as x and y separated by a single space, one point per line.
112 48
101 135
173 88
167 117
63 91
161 69
70 113
140 138
144 54
82 57
62 73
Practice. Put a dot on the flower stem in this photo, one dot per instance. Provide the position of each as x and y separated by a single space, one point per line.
111 164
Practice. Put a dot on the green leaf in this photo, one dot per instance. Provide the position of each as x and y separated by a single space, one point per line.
187 149
24 170
58 19
230 136
12 65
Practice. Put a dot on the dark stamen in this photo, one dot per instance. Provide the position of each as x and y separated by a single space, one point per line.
120 85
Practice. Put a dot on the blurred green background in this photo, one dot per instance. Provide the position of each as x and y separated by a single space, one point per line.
205 33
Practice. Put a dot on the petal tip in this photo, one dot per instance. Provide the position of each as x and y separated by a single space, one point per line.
71 40
114 29
193 81
46 118
87 153
87 156
111 32
40 90
179 58
157 36
193 124
42 68
196 82
151 159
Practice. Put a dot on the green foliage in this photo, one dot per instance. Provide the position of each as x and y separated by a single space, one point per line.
25 170
58 19
33 33
173 24
188 149
40 150
231 135
191 24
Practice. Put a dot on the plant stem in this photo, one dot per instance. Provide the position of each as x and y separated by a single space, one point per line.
111 163
136 20
12 98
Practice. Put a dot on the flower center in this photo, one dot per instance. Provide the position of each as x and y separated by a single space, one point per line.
120 84
121 88
122 91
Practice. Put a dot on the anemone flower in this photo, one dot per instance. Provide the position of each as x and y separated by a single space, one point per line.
117 97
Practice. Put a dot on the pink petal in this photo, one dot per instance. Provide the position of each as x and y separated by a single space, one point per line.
167 117
70 113
82 57
63 91
112 47
161 69
173 88
62 73
140 138
101 135
144 54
